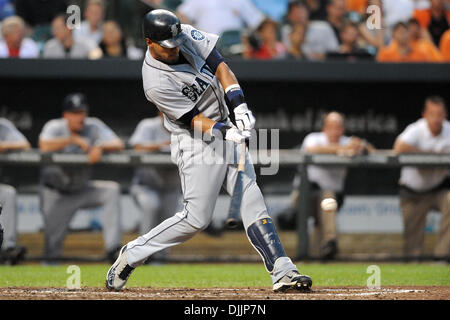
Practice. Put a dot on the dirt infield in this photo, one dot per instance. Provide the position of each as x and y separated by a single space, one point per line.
318 293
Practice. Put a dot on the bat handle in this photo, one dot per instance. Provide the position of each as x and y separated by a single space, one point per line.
231 223
241 164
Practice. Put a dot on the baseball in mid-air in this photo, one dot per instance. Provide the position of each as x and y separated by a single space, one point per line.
328 204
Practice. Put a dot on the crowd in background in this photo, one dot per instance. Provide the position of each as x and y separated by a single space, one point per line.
313 30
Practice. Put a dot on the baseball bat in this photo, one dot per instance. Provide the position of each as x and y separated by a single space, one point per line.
236 199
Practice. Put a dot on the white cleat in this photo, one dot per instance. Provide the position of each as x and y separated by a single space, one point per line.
293 280
120 271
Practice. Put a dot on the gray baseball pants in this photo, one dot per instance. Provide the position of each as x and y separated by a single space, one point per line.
59 208
8 218
203 173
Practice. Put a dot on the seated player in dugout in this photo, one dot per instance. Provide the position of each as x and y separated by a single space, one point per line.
186 78
325 183
11 253
425 189
65 189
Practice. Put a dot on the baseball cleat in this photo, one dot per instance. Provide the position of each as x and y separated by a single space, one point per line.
120 271
293 280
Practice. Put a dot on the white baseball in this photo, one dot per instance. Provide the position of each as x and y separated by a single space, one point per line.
329 204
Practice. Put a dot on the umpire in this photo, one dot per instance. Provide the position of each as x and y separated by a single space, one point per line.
66 189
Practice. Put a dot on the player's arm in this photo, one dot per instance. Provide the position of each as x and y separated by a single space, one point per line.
56 144
403 147
150 147
217 129
111 146
14 145
244 117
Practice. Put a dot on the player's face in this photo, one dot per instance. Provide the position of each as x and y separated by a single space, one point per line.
75 120
162 54
334 130
435 115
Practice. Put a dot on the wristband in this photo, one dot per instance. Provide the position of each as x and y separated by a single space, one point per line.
235 95
221 127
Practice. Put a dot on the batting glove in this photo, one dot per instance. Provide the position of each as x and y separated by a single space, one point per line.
237 135
244 117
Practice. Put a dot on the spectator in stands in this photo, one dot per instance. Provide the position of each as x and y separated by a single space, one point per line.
217 16
268 47
296 39
323 36
156 192
336 11
64 45
317 9
349 49
38 15
419 37
395 11
297 13
64 190
6 9
11 253
436 19
400 50
114 45
325 182
92 27
358 6
444 46
274 9
15 45
422 190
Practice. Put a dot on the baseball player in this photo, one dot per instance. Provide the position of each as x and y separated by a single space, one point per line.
425 189
328 183
10 139
64 190
156 191
189 82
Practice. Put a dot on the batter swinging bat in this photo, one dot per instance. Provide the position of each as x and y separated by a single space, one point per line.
236 198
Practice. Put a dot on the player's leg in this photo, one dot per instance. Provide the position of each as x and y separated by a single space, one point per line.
442 248
57 210
11 253
106 194
261 231
201 185
149 204
8 219
414 212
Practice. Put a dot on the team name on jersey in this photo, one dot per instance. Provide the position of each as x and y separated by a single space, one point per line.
195 90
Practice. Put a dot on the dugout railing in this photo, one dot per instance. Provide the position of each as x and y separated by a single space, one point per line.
261 158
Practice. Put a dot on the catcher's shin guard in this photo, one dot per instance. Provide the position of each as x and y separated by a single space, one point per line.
264 238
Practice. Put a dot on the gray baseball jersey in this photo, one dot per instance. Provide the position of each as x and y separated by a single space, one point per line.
8 132
177 89
148 131
95 132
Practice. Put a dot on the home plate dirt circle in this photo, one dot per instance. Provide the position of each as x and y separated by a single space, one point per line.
318 293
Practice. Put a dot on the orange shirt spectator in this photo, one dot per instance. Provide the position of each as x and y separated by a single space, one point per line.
421 39
357 6
436 19
445 46
392 53
400 49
